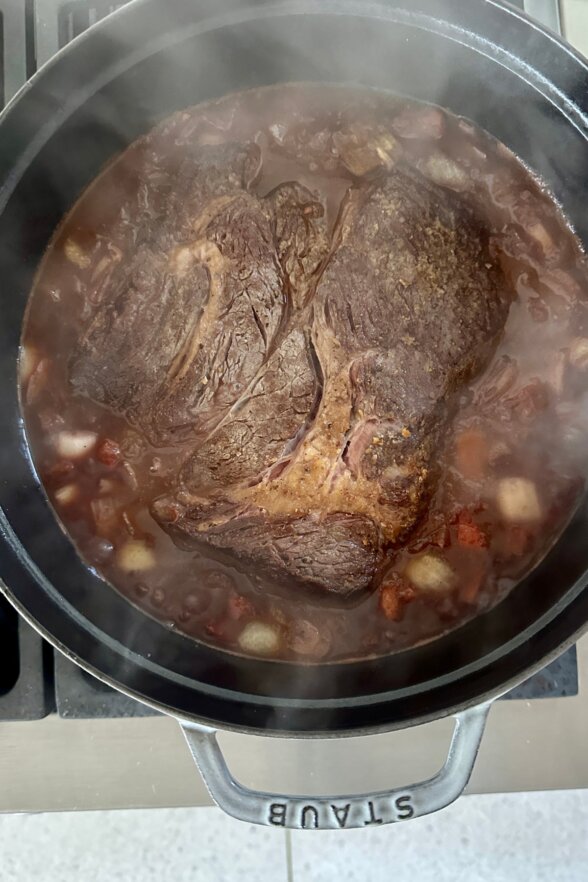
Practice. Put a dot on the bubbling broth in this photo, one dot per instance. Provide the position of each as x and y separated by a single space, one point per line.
303 372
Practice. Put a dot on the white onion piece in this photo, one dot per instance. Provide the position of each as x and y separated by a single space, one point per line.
27 362
75 445
557 377
106 485
429 572
75 254
305 638
444 171
361 158
135 556
258 638
37 380
518 500
541 235
279 132
579 352
66 495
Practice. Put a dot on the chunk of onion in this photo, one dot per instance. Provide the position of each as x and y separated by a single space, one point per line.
75 445
305 638
28 361
429 572
518 500
258 638
579 352
75 254
66 495
442 170
541 235
135 556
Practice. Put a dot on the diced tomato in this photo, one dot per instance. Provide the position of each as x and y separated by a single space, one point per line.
217 629
529 401
390 603
471 536
238 607
468 533
471 454
60 470
108 453
395 593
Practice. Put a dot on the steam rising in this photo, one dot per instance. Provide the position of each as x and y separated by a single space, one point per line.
334 49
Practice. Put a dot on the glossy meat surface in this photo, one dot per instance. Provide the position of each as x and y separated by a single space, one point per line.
309 372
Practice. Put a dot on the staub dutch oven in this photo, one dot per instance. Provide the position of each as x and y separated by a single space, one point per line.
480 59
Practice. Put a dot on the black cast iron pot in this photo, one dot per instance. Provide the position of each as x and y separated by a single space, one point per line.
480 59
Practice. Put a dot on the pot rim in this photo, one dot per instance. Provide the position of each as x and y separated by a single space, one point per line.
235 15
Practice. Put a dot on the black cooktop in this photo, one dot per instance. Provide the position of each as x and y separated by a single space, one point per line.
35 680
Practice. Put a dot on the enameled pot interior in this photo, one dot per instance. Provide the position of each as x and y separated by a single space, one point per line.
40 566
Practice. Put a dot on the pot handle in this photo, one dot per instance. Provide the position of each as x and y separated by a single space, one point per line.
340 812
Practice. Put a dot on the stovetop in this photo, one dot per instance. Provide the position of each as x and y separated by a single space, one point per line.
86 735
34 680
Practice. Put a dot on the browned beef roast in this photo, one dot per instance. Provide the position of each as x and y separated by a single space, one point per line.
310 376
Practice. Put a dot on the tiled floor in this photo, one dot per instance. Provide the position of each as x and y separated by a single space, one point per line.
159 845
510 838
499 838
575 23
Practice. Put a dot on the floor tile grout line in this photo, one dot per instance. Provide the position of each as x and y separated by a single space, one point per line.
289 868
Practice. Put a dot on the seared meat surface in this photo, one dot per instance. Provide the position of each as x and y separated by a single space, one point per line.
308 370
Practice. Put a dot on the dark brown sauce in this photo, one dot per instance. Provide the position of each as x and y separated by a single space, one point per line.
516 446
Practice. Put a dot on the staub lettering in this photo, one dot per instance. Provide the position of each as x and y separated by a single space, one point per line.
277 814
357 813
372 818
341 813
404 808
309 811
